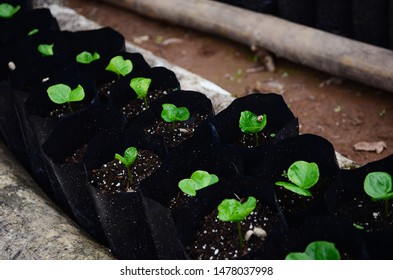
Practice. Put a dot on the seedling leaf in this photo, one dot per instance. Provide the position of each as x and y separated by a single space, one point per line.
378 185
251 123
77 94
232 210
188 186
303 174
59 93
129 156
294 188
171 113
86 57
45 49
140 86
7 10
317 250
203 179
199 179
120 66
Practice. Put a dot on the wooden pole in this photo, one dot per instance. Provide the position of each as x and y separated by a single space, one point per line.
327 52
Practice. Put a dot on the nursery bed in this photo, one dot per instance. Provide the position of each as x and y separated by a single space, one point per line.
220 100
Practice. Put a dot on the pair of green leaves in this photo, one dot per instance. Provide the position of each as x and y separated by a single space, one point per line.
199 179
7 10
172 113
317 250
141 87
128 158
378 185
232 210
119 66
302 176
86 57
61 94
252 123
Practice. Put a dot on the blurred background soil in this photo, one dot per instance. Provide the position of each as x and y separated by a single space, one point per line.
344 112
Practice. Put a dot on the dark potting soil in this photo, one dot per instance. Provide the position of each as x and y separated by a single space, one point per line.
249 140
217 240
104 91
179 201
64 109
371 215
176 133
137 106
77 156
291 202
112 177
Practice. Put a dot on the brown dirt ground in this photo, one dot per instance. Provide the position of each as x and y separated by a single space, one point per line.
342 111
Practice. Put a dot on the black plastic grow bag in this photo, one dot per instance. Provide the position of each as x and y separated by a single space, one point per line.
344 200
310 148
281 124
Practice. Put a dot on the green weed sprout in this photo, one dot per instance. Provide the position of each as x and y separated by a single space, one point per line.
232 210
119 66
251 123
199 179
128 160
141 87
86 57
378 185
33 31
45 49
317 250
61 94
171 114
7 10
302 176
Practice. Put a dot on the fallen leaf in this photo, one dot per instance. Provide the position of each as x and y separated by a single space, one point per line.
370 146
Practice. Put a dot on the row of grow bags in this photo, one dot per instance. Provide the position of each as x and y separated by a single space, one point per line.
71 154
365 21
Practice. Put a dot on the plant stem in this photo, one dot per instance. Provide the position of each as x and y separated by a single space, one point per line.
173 127
257 139
69 106
129 175
239 232
146 104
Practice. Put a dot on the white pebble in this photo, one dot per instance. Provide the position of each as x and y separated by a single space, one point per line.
260 232
248 235
11 65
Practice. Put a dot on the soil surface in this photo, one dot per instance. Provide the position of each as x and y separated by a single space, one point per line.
342 111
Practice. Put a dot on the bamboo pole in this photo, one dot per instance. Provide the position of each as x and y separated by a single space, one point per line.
327 52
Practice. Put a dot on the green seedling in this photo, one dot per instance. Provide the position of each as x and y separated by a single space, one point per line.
171 114
45 49
61 94
33 31
141 87
119 66
128 160
302 176
251 123
199 179
232 210
86 57
7 10
378 185
317 250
